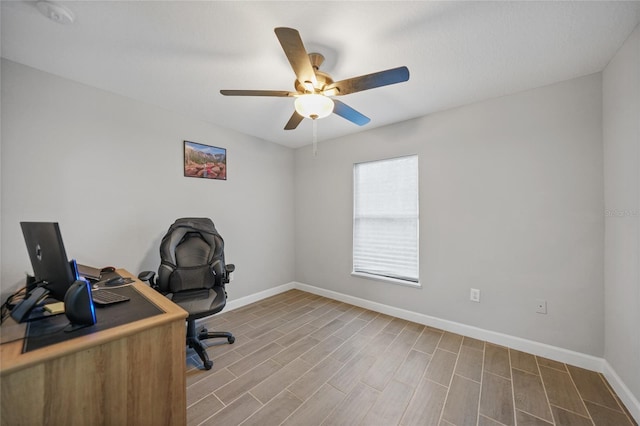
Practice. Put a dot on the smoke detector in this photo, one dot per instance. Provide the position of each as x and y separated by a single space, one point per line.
56 12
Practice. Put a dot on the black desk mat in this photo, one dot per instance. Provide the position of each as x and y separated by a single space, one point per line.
50 330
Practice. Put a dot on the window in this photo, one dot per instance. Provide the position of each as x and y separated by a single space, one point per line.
385 219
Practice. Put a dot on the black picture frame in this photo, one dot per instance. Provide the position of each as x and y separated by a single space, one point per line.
204 161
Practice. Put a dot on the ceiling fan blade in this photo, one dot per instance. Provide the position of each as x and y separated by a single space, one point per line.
369 81
346 112
298 58
294 121
278 93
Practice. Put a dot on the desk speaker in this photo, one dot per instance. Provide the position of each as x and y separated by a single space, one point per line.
78 305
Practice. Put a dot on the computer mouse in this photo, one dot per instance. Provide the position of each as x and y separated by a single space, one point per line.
114 281
107 269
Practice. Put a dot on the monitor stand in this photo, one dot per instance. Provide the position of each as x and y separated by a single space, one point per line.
22 310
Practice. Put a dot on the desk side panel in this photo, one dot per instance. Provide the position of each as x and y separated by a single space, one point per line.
162 353
19 400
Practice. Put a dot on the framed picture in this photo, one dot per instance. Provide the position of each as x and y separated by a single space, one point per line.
204 161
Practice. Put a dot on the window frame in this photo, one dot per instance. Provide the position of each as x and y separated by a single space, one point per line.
362 272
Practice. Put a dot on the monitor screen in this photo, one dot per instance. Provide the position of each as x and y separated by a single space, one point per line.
48 257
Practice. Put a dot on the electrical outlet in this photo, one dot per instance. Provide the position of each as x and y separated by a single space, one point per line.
541 306
474 295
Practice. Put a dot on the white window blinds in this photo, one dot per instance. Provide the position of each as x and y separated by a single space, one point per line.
385 218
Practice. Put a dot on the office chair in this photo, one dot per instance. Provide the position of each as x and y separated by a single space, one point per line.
193 275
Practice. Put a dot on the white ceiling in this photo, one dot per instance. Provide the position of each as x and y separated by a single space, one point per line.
179 54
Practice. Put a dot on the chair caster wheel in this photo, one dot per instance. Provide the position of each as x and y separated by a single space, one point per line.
231 340
208 365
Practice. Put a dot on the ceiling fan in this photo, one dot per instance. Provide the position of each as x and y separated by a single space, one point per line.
314 88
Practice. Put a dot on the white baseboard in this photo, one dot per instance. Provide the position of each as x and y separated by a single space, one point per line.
628 399
541 349
518 343
256 297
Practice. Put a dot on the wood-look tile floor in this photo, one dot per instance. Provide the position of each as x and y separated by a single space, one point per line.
302 359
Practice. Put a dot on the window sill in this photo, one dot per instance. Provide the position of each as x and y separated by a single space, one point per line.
386 279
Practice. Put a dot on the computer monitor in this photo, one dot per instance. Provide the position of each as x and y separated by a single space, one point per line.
49 261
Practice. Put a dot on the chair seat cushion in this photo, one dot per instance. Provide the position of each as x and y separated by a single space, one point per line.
202 302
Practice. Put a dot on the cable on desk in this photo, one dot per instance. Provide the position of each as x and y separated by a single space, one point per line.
11 302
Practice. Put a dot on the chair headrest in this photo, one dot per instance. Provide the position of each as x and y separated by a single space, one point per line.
183 226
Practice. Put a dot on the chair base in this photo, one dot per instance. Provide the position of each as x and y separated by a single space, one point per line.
194 341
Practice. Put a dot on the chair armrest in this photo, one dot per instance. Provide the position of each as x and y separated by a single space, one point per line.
228 269
148 276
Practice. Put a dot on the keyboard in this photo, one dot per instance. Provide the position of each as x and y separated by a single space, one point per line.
105 297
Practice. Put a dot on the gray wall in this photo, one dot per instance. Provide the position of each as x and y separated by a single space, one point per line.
621 118
511 202
109 169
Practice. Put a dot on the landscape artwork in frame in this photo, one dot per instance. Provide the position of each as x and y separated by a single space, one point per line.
204 161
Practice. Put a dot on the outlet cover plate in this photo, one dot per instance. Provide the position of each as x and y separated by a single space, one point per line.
541 306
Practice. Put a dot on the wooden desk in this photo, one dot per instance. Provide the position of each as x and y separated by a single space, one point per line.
132 374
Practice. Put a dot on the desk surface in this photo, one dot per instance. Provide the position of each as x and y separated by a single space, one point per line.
12 359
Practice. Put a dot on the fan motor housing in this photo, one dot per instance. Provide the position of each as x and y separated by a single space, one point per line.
323 79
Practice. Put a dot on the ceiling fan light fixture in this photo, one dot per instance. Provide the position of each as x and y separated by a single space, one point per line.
313 106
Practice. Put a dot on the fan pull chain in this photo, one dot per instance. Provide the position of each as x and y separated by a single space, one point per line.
315 137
